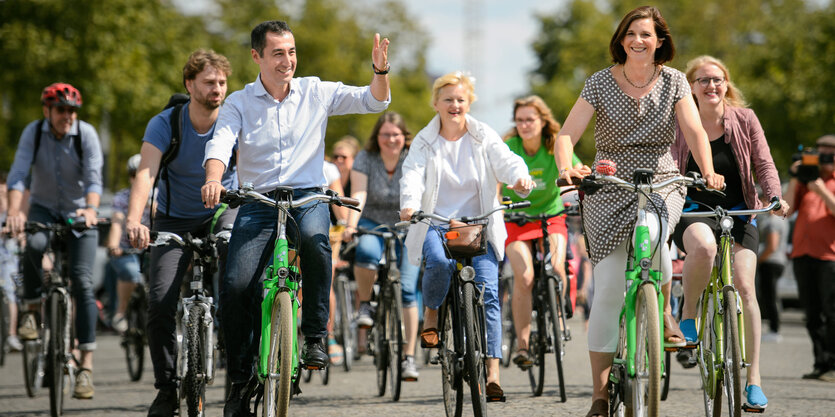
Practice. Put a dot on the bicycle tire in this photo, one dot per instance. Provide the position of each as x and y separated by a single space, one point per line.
344 332
4 326
475 353
537 346
704 354
380 346
733 355
646 396
451 379
134 338
556 314
394 339
33 366
277 388
508 330
195 383
56 352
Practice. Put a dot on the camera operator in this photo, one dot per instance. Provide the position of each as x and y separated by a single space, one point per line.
813 197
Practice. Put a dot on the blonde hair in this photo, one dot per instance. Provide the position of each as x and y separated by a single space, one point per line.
454 78
733 97
348 142
550 126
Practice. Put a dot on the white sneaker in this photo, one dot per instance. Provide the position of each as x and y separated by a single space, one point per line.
408 370
119 323
14 343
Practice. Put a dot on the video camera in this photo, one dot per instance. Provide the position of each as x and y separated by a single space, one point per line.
810 161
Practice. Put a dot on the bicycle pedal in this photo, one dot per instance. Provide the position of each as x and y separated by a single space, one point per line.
409 379
672 348
496 399
756 410
313 367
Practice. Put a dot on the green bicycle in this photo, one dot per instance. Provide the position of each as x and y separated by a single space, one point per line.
635 379
721 349
278 365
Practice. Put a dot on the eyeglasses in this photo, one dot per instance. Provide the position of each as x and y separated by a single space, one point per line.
390 135
340 157
525 121
65 109
705 81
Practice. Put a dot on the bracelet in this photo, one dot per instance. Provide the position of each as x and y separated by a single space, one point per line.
562 171
211 181
95 208
379 71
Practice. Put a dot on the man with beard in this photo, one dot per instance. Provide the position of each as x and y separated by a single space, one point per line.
179 207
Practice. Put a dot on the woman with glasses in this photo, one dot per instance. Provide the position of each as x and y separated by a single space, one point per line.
739 152
532 138
375 182
342 155
454 169
637 102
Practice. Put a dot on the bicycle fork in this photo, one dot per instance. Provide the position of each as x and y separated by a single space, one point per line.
207 333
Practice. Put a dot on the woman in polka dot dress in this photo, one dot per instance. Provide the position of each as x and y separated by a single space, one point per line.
637 102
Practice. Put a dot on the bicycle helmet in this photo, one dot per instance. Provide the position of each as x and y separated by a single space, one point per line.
61 94
133 164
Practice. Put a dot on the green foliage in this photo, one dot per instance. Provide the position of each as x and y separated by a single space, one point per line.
779 52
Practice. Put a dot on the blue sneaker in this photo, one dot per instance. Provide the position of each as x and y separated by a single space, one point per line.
755 399
688 328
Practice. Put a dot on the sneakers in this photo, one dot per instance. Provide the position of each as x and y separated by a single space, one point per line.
313 353
365 317
165 404
408 369
84 384
691 335
828 376
119 323
815 374
14 343
687 358
28 329
754 398
235 406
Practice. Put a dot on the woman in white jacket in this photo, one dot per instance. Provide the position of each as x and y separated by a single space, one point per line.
453 169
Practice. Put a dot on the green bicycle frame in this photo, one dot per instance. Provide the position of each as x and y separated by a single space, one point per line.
280 276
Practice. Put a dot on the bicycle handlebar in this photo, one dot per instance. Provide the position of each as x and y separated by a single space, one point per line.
162 239
420 215
593 182
720 212
245 195
77 224
521 218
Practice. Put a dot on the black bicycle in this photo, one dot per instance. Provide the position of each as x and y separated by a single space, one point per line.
549 331
462 346
345 325
385 341
134 339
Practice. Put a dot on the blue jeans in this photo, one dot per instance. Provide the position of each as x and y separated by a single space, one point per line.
369 251
250 250
439 270
82 254
122 268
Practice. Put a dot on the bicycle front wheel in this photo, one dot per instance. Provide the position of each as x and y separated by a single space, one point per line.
4 326
732 354
537 345
557 332
646 385
134 339
280 362
195 383
56 352
344 334
475 355
451 378
394 341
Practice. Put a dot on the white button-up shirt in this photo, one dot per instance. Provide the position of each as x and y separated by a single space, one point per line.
282 142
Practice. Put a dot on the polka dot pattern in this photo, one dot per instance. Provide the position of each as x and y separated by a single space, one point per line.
634 133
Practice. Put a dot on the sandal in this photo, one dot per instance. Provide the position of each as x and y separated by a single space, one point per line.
673 337
335 352
494 393
429 338
523 360
599 407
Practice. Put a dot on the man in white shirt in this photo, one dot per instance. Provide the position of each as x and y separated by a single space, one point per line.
279 124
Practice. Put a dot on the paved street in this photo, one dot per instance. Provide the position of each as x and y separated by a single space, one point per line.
353 394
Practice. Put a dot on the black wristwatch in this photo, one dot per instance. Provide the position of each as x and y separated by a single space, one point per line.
378 71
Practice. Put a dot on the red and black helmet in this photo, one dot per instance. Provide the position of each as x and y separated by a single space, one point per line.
61 94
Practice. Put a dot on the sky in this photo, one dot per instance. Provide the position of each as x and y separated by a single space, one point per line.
505 58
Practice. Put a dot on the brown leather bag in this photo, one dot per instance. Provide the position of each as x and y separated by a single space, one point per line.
466 240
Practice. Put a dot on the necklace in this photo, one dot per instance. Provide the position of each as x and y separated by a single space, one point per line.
654 73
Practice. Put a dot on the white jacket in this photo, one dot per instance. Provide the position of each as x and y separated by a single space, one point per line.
494 162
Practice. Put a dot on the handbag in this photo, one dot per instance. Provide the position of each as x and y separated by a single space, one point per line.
465 240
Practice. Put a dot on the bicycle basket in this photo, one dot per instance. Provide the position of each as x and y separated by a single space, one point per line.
465 240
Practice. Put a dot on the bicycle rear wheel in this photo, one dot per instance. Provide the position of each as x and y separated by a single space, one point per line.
733 355
451 378
380 346
475 355
277 385
56 352
195 383
344 334
557 334
33 366
394 341
646 386
133 340
537 346
4 326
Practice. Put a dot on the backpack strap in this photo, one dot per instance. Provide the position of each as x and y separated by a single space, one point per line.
175 121
76 143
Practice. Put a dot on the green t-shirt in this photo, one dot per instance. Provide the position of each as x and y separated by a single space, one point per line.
545 197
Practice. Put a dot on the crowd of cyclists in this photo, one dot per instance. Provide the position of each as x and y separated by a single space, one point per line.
271 134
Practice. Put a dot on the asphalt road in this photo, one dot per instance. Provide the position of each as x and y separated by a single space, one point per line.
354 393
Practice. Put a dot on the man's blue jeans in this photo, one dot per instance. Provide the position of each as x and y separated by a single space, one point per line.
250 251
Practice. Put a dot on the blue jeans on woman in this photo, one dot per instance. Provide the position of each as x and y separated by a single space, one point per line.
438 271
250 250
369 251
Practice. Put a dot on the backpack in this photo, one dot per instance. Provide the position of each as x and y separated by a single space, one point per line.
77 143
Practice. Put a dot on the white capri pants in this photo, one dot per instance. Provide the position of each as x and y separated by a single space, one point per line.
610 287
